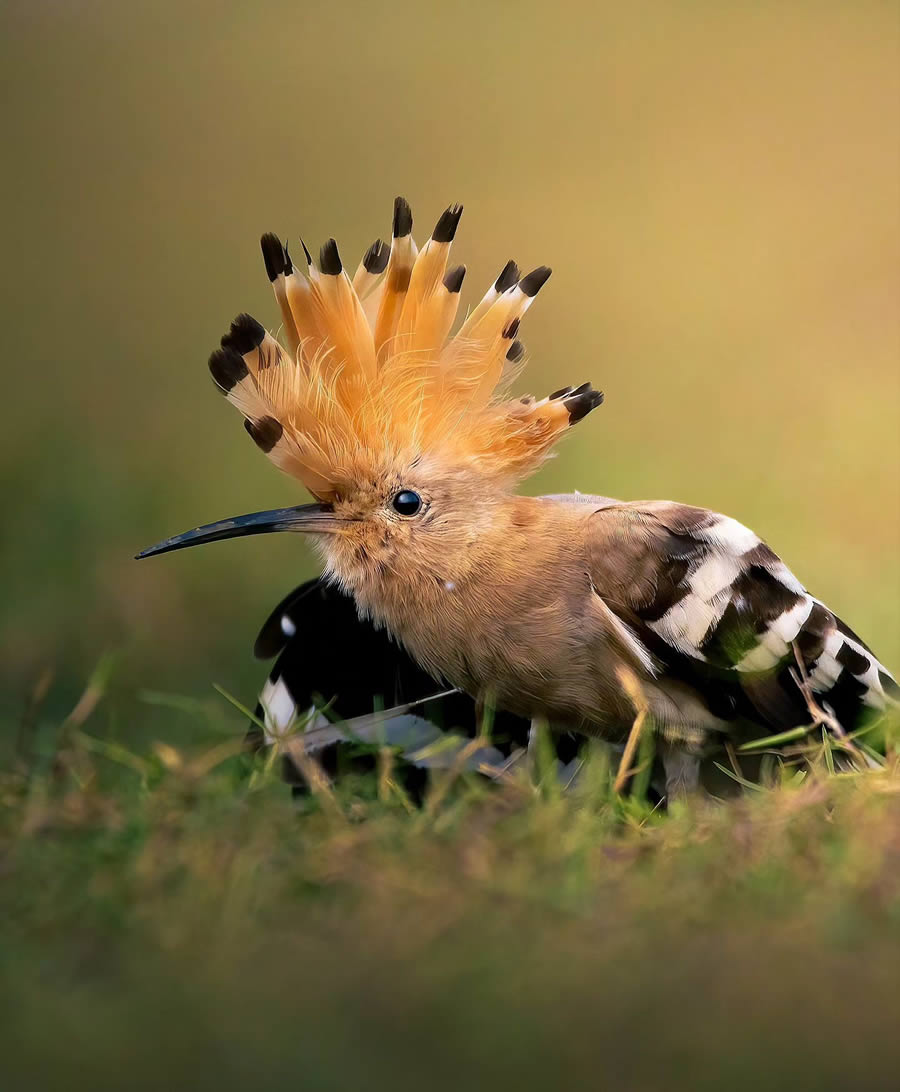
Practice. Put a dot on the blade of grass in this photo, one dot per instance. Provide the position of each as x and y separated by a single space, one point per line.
241 708
738 778
115 752
776 740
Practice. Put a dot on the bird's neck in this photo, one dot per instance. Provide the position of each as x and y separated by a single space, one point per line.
444 605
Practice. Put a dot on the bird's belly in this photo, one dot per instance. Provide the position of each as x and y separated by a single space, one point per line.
556 676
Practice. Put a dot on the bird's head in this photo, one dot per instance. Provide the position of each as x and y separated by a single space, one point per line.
402 434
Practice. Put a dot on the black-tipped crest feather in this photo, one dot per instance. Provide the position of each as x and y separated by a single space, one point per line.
445 229
227 368
330 259
581 401
375 259
273 254
534 281
454 278
266 432
509 275
245 335
403 221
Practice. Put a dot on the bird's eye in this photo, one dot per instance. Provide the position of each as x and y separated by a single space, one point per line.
406 502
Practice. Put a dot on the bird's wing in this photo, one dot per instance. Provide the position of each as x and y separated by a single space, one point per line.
714 605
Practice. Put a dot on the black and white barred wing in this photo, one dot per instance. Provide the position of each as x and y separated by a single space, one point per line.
708 602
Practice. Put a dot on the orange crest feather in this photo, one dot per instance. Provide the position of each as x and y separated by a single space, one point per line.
370 373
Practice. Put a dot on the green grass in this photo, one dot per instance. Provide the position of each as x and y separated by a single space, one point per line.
171 916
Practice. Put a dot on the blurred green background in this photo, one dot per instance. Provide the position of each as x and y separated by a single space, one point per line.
717 186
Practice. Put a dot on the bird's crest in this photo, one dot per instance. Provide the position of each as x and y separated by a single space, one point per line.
369 372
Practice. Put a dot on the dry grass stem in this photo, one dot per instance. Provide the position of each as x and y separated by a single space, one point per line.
822 717
632 688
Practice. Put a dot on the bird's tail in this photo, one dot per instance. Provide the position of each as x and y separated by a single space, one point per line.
847 676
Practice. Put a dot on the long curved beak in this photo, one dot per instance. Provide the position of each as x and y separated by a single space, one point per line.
314 518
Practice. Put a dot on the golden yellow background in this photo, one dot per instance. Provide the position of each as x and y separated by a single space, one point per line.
717 186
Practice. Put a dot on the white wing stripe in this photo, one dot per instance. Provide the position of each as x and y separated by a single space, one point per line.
715 574
827 669
731 536
874 696
279 709
760 658
786 626
685 624
773 646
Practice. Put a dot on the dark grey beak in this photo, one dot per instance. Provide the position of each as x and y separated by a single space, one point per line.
314 518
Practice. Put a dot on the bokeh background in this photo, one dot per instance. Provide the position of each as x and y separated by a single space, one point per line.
717 186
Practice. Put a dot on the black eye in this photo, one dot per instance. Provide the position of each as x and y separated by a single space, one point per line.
406 502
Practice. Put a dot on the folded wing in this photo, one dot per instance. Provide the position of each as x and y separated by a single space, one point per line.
714 606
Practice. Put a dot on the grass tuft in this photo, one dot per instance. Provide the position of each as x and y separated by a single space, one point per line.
172 913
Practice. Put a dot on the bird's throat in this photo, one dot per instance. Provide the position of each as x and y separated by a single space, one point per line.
456 612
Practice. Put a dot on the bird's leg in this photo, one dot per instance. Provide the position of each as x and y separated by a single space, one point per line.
682 771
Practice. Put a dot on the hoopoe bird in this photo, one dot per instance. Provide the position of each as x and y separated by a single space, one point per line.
411 444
